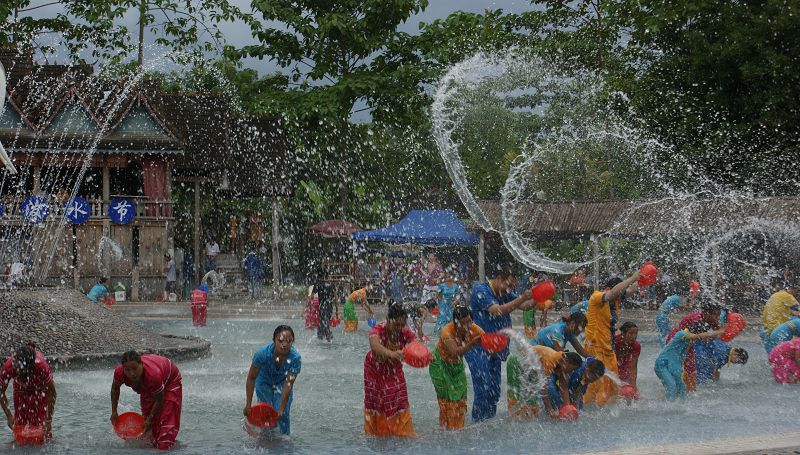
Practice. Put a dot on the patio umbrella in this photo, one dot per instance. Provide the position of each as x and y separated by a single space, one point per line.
335 228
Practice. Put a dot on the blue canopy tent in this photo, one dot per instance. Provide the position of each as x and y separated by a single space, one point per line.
423 227
427 227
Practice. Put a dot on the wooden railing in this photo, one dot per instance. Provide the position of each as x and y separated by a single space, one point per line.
145 208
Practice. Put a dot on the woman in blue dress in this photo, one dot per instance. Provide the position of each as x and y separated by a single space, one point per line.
447 291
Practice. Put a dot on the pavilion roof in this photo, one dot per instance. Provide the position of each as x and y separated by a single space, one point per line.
68 109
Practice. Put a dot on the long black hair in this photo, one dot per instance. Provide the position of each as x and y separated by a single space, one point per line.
578 318
395 311
130 355
627 326
460 312
24 360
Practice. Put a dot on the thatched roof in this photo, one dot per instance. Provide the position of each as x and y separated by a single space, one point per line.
671 217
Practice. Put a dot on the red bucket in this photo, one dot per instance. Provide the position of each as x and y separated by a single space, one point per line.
734 326
629 392
694 289
543 291
29 434
129 425
568 412
648 274
494 342
417 355
335 321
263 415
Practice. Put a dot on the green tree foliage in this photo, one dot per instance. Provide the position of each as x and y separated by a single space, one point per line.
336 58
714 81
80 24
721 81
93 25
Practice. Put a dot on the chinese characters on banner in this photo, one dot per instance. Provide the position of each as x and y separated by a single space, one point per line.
76 210
121 210
35 209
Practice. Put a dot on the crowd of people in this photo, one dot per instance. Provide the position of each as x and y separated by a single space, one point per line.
601 363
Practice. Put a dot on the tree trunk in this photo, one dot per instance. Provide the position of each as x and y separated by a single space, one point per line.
142 19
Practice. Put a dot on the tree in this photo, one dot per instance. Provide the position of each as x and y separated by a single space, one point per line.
81 24
336 60
181 25
720 83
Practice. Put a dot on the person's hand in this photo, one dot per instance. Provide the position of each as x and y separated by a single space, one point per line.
280 415
526 295
396 355
10 421
114 417
552 413
148 423
475 340
246 410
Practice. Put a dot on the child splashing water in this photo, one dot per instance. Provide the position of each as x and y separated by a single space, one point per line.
358 296
527 385
556 336
578 381
527 374
669 364
447 369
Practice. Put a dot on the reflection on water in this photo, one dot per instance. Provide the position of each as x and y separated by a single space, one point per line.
327 408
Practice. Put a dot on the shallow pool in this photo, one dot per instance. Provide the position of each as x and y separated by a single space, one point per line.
327 409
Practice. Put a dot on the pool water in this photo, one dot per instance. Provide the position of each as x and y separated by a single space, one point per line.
327 409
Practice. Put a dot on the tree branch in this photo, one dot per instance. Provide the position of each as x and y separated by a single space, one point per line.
22 10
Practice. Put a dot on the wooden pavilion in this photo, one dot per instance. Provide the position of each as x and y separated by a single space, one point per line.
70 133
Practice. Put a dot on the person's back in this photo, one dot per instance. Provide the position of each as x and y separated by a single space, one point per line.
779 309
784 332
250 265
97 292
600 318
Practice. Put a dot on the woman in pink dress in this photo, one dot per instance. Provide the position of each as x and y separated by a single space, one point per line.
34 389
158 382
785 362
386 408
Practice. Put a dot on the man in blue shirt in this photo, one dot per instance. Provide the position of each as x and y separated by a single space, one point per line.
492 303
272 374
